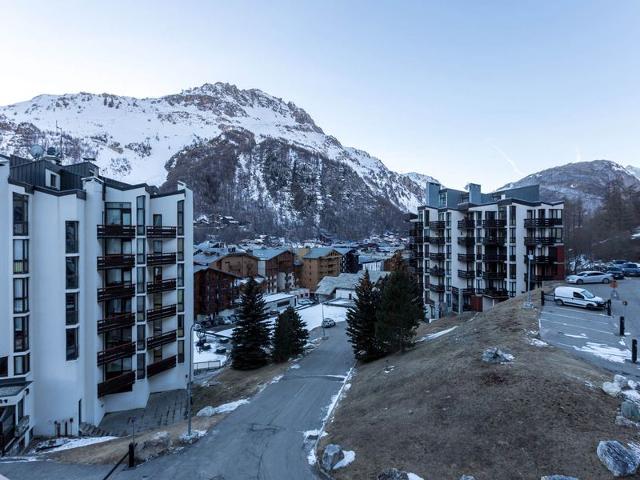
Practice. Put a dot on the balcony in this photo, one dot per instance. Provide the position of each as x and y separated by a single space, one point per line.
466 274
436 271
494 275
468 241
466 224
542 259
161 285
438 257
161 366
497 293
161 232
112 354
160 313
494 258
435 240
116 231
540 240
118 290
542 222
466 257
430 301
436 288
115 322
163 339
154 259
493 240
116 384
437 225
116 261
494 223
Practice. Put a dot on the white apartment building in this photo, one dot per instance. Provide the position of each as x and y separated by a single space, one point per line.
477 248
96 289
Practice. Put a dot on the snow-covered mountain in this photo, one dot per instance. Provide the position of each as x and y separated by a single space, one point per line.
420 178
271 142
635 171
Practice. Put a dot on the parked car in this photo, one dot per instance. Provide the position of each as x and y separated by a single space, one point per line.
578 297
631 270
619 263
328 323
305 302
617 272
221 350
590 276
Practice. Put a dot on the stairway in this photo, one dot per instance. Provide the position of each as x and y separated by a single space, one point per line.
88 430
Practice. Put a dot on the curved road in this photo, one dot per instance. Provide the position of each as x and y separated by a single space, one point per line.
261 440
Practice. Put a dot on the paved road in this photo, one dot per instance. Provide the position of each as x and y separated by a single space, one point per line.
261 440
593 335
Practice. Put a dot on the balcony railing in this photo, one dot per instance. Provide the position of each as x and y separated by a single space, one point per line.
494 258
161 366
116 384
466 273
540 240
161 232
116 261
115 322
163 339
436 271
466 257
466 224
116 231
160 313
118 290
112 354
466 241
495 293
161 259
542 259
161 285
494 275
438 224
438 257
435 240
493 240
436 288
494 223
542 222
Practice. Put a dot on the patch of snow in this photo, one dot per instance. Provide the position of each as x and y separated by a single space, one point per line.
276 379
79 442
349 456
582 335
413 476
295 366
433 336
605 352
224 408
311 457
195 435
536 342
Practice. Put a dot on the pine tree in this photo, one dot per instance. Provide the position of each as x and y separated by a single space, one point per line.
300 333
251 335
361 321
399 312
289 336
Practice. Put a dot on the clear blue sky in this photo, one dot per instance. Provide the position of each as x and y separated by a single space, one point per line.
481 91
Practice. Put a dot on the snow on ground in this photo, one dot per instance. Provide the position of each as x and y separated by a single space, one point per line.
536 342
433 336
208 355
581 335
413 476
79 442
224 408
349 456
311 458
605 352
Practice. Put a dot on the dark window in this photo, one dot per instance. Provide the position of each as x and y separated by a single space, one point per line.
157 246
118 213
181 325
140 277
20 295
53 180
181 217
20 214
72 343
181 274
72 308
180 249
141 365
180 351
72 273
140 308
71 243
141 337
21 364
157 220
21 334
181 300
4 366
21 256
140 250
157 354
140 214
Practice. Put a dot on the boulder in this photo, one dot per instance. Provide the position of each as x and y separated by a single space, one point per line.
207 411
611 389
393 474
558 477
620 460
332 454
630 410
158 444
495 355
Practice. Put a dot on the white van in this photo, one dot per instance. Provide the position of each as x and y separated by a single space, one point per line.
578 297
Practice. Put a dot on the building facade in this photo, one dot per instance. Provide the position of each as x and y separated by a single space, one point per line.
275 265
478 249
95 291
319 263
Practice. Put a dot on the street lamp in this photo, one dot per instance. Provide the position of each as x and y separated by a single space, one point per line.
529 304
194 327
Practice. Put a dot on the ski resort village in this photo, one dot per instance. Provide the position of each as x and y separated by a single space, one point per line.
200 279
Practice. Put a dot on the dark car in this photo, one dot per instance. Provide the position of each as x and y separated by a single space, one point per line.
617 272
631 270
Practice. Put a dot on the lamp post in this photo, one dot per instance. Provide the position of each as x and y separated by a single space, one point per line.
194 327
529 304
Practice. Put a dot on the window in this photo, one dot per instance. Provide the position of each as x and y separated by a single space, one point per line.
180 249
21 364
157 220
72 273
157 354
71 243
118 213
4 366
140 277
180 351
181 300
181 325
20 295
72 308
140 214
21 334
20 214
140 250
72 343
141 365
21 256
181 217
53 180
141 330
140 308
181 274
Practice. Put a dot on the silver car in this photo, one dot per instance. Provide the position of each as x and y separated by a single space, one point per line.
590 276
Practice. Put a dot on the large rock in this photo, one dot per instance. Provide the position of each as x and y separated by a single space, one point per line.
393 474
620 461
332 454
558 477
611 389
495 355
630 410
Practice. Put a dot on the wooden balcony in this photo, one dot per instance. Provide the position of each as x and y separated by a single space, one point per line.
540 240
161 285
438 257
494 275
466 273
163 339
542 259
542 222
116 231
436 271
112 354
497 293
115 322
466 224
494 258
436 288
468 241
119 290
116 261
160 313
154 259
493 240
116 384
466 257
437 225
435 240
161 366
161 232
494 223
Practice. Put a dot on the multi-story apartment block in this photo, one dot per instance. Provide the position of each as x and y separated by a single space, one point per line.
478 248
318 263
95 295
275 265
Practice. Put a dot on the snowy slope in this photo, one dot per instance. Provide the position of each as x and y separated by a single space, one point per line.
635 171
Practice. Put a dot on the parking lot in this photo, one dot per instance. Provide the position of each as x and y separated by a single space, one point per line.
592 334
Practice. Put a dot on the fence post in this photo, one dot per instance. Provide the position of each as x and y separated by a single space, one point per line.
542 298
132 462
609 307
622 326
634 350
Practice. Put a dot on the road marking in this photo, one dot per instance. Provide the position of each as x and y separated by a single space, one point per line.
577 326
575 318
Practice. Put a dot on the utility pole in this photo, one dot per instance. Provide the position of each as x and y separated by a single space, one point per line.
194 326
528 304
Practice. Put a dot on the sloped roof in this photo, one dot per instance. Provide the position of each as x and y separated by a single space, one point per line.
267 253
347 281
343 250
319 252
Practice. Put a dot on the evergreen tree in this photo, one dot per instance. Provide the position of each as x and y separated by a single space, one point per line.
399 312
361 321
289 336
251 335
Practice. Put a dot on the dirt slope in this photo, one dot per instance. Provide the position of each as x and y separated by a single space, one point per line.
441 412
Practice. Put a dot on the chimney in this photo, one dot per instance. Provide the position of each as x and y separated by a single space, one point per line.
475 196
432 194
